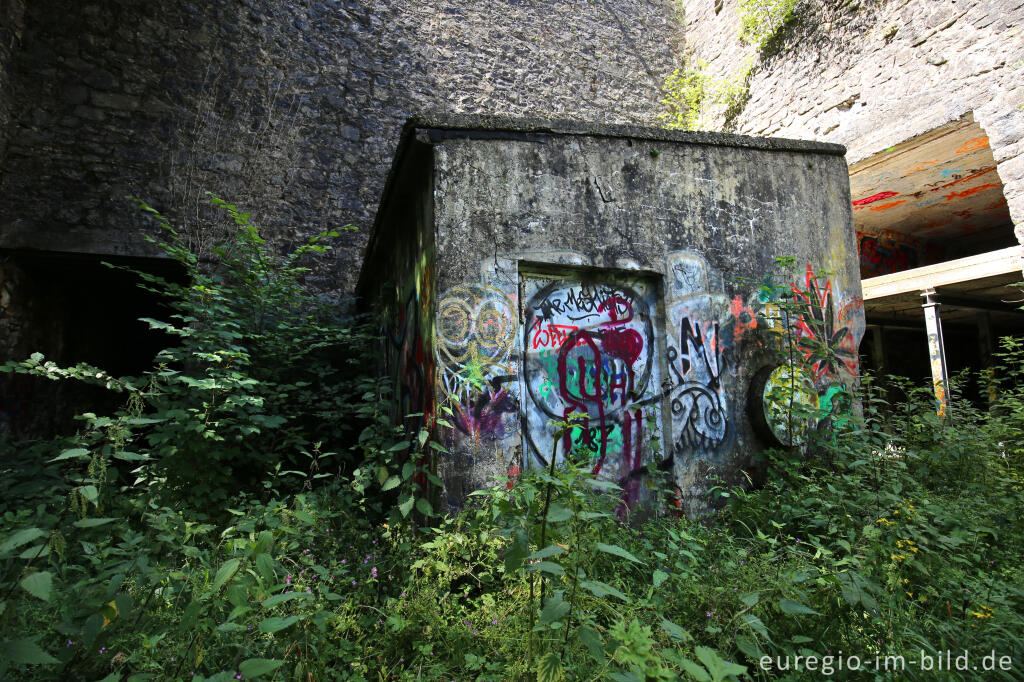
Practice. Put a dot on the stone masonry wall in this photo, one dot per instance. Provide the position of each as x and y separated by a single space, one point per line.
292 110
11 14
873 73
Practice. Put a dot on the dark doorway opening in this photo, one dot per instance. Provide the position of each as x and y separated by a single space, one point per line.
73 308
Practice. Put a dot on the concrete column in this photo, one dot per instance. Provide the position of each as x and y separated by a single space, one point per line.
936 349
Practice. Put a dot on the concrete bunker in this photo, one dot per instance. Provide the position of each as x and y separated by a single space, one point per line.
617 279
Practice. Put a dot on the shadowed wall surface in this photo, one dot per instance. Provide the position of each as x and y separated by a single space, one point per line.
292 110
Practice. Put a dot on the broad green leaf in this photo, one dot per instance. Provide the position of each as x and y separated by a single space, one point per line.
408 469
124 603
793 607
600 589
92 522
617 551
265 565
35 552
750 598
398 446
276 599
554 609
592 640
89 492
659 578
275 624
22 537
406 506
549 668
225 573
675 632
382 474
558 513
751 621
748 646
548 567
719 668
550 550
696 671
515 553
303 516
38 584
423 507
73 453
855 590
254 667
130 456
392 482
629 676
26 652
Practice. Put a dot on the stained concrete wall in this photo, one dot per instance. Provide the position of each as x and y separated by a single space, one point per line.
291 110
612 278
872 73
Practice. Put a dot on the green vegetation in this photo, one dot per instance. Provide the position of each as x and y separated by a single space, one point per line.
693 98
760 20
249 514
691 95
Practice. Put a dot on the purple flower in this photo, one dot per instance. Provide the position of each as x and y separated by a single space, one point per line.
288 579
353 582
708 614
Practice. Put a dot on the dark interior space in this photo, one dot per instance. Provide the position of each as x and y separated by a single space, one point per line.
74 308
905 354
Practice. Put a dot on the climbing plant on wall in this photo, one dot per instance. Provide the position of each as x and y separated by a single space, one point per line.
690 92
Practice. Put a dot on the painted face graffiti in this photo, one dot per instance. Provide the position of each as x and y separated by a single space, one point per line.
476 328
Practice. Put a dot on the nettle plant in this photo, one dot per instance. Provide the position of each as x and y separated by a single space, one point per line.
553 522
249 384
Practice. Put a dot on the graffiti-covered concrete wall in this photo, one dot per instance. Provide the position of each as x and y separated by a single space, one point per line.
623 283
